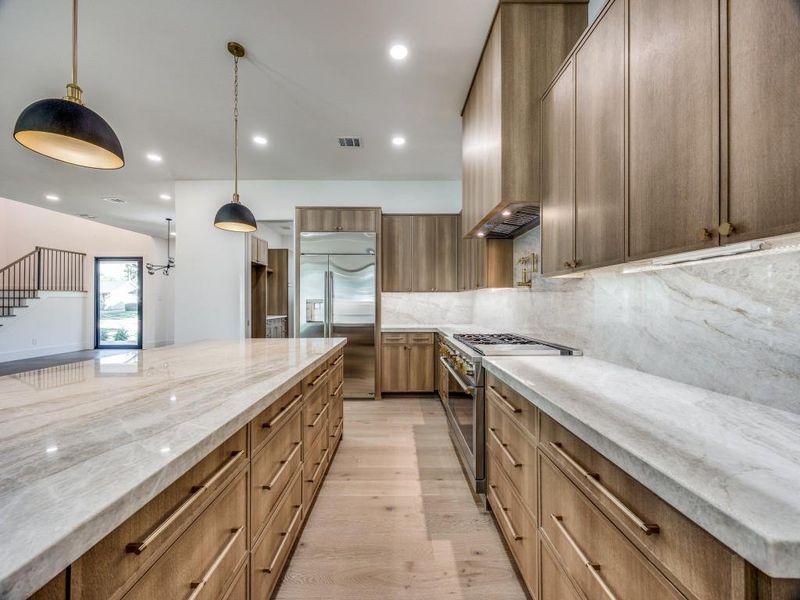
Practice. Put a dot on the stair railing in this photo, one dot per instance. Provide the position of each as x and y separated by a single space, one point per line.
43 269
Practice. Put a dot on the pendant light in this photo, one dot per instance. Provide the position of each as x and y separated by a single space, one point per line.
64 129
235 216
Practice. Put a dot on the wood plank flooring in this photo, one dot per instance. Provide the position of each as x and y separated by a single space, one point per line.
395 518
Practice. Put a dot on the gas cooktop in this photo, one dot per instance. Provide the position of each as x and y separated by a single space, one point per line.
511 344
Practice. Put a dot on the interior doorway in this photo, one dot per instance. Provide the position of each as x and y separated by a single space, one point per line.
118 302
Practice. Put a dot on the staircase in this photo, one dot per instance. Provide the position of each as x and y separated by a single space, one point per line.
43 269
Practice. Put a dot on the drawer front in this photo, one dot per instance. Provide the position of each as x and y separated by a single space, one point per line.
315 414
205 559
555 584
314 465
420 338
522 412
336 358
390 339
318 378
272 470
275 415
336 379
515 523
238 591
335 413
695 559
277 540
116 561
595 554
515 452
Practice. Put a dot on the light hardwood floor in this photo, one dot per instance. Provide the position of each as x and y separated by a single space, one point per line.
395 517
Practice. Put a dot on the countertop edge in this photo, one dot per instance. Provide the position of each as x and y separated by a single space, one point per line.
32 575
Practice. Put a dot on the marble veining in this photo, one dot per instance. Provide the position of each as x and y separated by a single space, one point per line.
83 448
730 465
422 307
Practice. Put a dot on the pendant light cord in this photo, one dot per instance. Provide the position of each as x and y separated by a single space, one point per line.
75 43
235 128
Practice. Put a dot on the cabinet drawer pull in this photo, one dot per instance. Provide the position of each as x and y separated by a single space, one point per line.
283 412
508 454
285 535
338 388
504 400
197 586
319 377
284 462
594 568
594 479
338 360
319 466
319 416
197 491
504 513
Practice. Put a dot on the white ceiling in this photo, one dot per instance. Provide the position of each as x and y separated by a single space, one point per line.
159 73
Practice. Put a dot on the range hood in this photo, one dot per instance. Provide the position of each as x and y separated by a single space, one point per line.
513 220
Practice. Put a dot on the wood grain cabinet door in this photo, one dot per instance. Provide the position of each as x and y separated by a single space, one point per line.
421 367
319 219
763 118
356 220
394 368
599 143
397 253
558 169
423 278
446 253
673 126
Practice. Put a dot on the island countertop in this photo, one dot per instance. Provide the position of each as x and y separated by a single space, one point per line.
86 445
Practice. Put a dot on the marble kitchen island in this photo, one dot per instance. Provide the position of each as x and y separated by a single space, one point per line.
85 446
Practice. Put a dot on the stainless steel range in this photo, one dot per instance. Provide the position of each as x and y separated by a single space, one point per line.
461 355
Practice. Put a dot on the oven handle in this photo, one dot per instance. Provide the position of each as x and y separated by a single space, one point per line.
467 388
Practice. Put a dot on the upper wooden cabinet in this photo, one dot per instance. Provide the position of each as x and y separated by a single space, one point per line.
501 126
420 253
338 219
259 251
485 263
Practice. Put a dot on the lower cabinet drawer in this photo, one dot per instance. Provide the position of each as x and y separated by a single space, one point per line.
517 527
238 591
115 562
274 416
695 559
272 470
272 548
314 413
596 555
515 453
205 559
555 584
318 378
314 463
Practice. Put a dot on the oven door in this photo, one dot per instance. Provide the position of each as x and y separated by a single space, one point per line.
464 408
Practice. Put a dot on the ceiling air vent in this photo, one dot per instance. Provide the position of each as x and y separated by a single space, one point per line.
350 142
115 200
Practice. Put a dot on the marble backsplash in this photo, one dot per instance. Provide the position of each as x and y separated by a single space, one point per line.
452 308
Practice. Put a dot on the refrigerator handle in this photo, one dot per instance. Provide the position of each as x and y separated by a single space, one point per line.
325 305
330 305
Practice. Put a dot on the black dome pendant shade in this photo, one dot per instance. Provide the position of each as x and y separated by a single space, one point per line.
235 216
64 129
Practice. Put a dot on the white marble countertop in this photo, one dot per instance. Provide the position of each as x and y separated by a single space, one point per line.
730 465
84 446
443 329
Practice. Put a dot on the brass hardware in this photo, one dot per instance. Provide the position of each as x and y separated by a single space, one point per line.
236 49
319 466
282 413
339 387
197 586
571 264
319 416
320 376
707 233
279 472
338 360
530 266
508 454
594 568
594 479
504 400
285 536
727 229
504 513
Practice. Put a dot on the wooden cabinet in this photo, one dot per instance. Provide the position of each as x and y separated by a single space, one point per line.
407 362
420 253
278 282
259 251
338 219
485 263
501 129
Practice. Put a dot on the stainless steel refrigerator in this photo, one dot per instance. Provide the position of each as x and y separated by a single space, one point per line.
336 298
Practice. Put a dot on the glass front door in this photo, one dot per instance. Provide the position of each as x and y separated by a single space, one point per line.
118 302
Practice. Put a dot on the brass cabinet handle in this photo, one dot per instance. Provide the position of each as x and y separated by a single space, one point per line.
338 387
594 568
284 463
707 233
508 454
504 400
319 416
320 376
319 466
593 478
572 264
504 513
338 360
197 586
726 229
197 491
285 534
283 412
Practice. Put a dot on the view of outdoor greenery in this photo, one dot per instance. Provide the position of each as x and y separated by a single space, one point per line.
118 302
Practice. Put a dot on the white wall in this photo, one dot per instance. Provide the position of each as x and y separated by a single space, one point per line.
210 296
595 6
23 227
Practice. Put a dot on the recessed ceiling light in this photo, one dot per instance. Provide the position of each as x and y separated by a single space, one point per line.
481 234
506 213
52 197
173 234
165 197
398 52
260 140
153 157
398 140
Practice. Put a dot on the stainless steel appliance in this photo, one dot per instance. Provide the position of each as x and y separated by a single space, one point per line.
461 354
336 298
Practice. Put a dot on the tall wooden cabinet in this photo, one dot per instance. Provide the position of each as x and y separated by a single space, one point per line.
398 253
501 126
339 219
